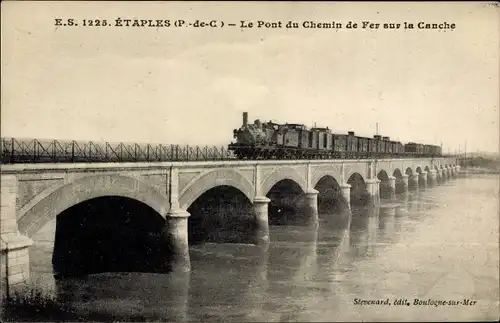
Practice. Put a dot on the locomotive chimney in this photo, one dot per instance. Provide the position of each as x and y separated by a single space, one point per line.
245 118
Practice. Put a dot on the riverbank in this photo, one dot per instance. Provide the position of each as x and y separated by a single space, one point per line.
36 305
480 170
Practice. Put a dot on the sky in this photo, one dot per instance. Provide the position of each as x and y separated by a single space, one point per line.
191 85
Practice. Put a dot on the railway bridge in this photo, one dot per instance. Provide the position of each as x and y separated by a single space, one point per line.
166 195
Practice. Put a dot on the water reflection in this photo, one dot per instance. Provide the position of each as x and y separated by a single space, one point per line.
364 231
387 221
128 296
403 201
313 273
290 257
228 282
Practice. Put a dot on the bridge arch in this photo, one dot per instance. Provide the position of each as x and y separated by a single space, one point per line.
427 169
383 175
384 185
287 203
397 173
280 174
438 172
400 187
357 173
105 234
53 201
222 214
418 170
330 196
359 194
409 171
212 179
328 171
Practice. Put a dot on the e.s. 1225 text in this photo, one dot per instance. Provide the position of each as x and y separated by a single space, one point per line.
70 22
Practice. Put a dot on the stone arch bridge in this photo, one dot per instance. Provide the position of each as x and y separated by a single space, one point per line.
33 194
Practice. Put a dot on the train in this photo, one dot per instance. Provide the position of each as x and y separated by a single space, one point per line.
270 140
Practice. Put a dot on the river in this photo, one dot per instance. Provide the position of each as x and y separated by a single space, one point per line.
438 244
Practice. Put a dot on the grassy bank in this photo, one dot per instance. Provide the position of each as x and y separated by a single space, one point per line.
33 304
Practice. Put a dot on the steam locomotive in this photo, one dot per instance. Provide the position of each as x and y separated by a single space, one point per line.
269 140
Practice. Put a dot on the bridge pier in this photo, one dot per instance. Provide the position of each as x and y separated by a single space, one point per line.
377 188
432 177
312 205
346 193
423 177
457 168
404 180
14 256
403 207
443 174
414 178
177 227
260 211
438 176
392 187
177 236
388 210
372 187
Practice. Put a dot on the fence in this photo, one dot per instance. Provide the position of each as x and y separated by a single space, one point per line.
56 151
14 150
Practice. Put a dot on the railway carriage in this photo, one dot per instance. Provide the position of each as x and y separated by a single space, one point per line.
363 147
398 148
420 150
351 145
438 151
339 145
290 137
428 150
414 149
314 139
411 148
321 140
389 146
380 145
434 150
372 146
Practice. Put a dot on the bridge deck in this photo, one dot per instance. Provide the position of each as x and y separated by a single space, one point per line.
219 163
